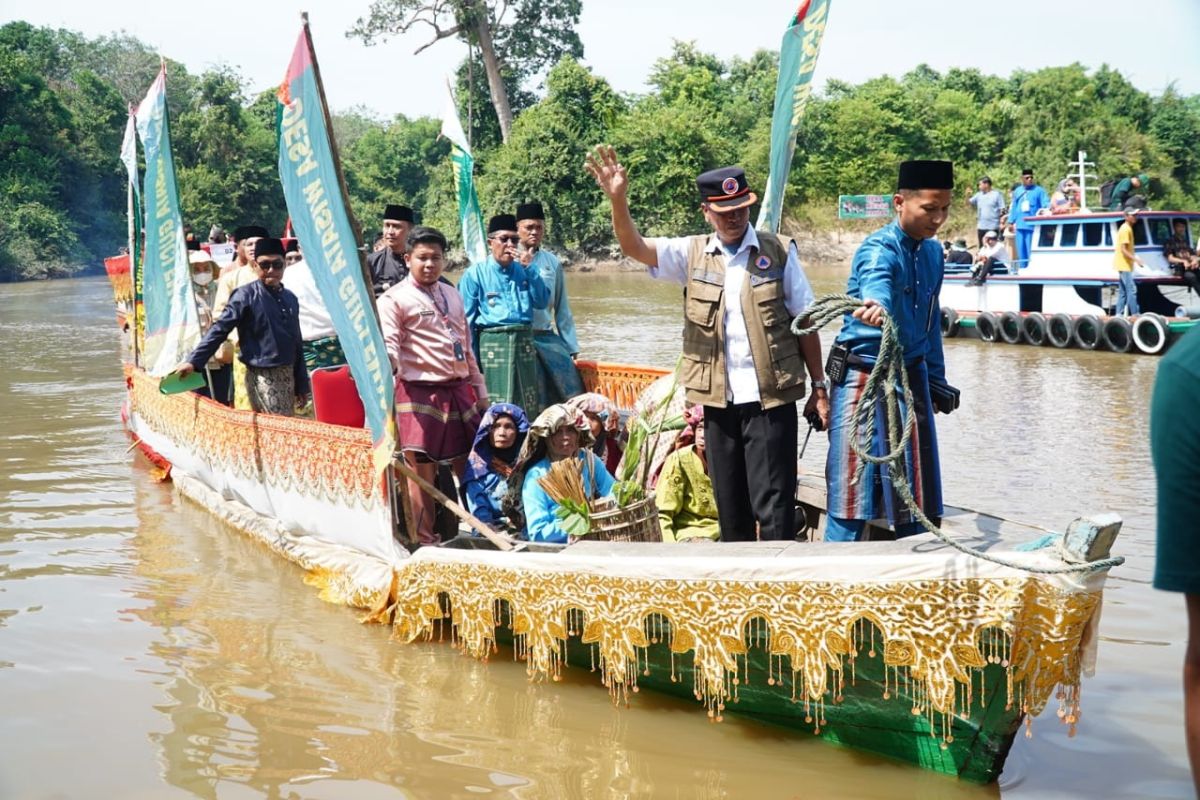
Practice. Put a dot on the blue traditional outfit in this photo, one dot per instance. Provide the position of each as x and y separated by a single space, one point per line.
499 302
1026 202
553 326
485 479
904 275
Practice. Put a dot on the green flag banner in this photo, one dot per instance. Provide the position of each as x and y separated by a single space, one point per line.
864 206
469 213
171 323
797 60
312 188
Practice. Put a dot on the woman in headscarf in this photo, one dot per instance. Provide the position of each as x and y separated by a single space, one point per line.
1065 199
558 433
491 460
687 508
605 423
217 372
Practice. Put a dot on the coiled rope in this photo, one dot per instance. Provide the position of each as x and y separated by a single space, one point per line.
889 372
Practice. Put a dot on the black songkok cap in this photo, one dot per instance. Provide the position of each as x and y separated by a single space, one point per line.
293 246
502 222
725 189
398 213
530 211
926 175
268 246
191 243
249 232
1027 171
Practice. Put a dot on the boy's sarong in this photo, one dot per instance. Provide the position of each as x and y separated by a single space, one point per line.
509 363
271 390
326 352
437 419
558 380
874 497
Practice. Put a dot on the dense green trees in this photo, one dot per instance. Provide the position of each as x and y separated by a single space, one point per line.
63 104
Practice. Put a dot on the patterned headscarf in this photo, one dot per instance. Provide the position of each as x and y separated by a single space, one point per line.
601 406
534 450
692 418
482 460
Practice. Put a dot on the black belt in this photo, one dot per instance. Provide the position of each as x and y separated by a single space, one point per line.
863 365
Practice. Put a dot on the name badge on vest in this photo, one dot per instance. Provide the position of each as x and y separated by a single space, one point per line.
459 355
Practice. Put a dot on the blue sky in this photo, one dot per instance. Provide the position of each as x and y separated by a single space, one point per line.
1154 42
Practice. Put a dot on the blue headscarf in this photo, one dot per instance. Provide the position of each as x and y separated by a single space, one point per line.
479 462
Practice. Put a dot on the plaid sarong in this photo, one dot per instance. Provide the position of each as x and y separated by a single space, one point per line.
325 352
558 379
873 497
509 363
437 419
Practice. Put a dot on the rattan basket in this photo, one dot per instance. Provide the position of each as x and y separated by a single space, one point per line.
637 522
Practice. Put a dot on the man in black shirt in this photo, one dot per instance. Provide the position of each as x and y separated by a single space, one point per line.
1182 257
387 265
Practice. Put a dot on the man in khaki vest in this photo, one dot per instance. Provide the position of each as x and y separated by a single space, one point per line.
741 360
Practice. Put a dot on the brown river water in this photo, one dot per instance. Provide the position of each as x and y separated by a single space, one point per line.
146 651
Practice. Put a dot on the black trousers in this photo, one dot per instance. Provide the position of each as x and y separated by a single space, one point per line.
752 460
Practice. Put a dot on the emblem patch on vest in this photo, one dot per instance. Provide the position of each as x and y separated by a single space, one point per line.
729 185
762 262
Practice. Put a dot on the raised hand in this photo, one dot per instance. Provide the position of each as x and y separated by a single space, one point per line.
602 164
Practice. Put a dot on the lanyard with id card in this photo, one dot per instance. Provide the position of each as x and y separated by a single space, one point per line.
443 311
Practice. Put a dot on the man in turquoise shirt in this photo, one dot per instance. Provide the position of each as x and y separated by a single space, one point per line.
1028 200
558 378
500 296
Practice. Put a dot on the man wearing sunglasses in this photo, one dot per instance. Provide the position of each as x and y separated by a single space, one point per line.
267 319
500 296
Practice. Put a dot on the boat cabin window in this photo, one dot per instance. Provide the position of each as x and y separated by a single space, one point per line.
1070 235
1139 232
1046 235
1160 230
1093 234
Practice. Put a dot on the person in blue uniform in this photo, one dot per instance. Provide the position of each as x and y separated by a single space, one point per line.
1028 200
267 319
897 270
500 296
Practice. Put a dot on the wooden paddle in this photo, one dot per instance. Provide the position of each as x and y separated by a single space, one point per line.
499 539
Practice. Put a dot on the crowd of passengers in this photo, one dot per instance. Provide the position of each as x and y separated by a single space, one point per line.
473 364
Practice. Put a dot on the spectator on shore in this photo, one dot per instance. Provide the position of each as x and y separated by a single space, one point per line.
1182 257
217 235
440 393
1028 200
1123 192
989 206
266 315
1123 260
959 253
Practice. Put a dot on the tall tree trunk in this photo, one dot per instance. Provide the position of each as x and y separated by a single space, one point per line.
491 65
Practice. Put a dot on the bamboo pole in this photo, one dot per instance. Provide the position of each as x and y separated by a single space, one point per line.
500 540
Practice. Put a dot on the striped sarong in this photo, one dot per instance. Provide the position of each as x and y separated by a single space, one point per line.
326 352
509 363
558 379
874 497
437 419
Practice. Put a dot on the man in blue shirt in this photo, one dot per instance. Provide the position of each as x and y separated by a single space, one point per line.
558 378
989 206
267 319
897 270
500 296
1028 200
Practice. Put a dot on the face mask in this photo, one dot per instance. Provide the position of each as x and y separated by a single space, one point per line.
202 278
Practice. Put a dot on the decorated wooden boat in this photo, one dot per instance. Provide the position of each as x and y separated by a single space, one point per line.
911 650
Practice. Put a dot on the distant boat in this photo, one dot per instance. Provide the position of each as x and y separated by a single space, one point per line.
909 649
